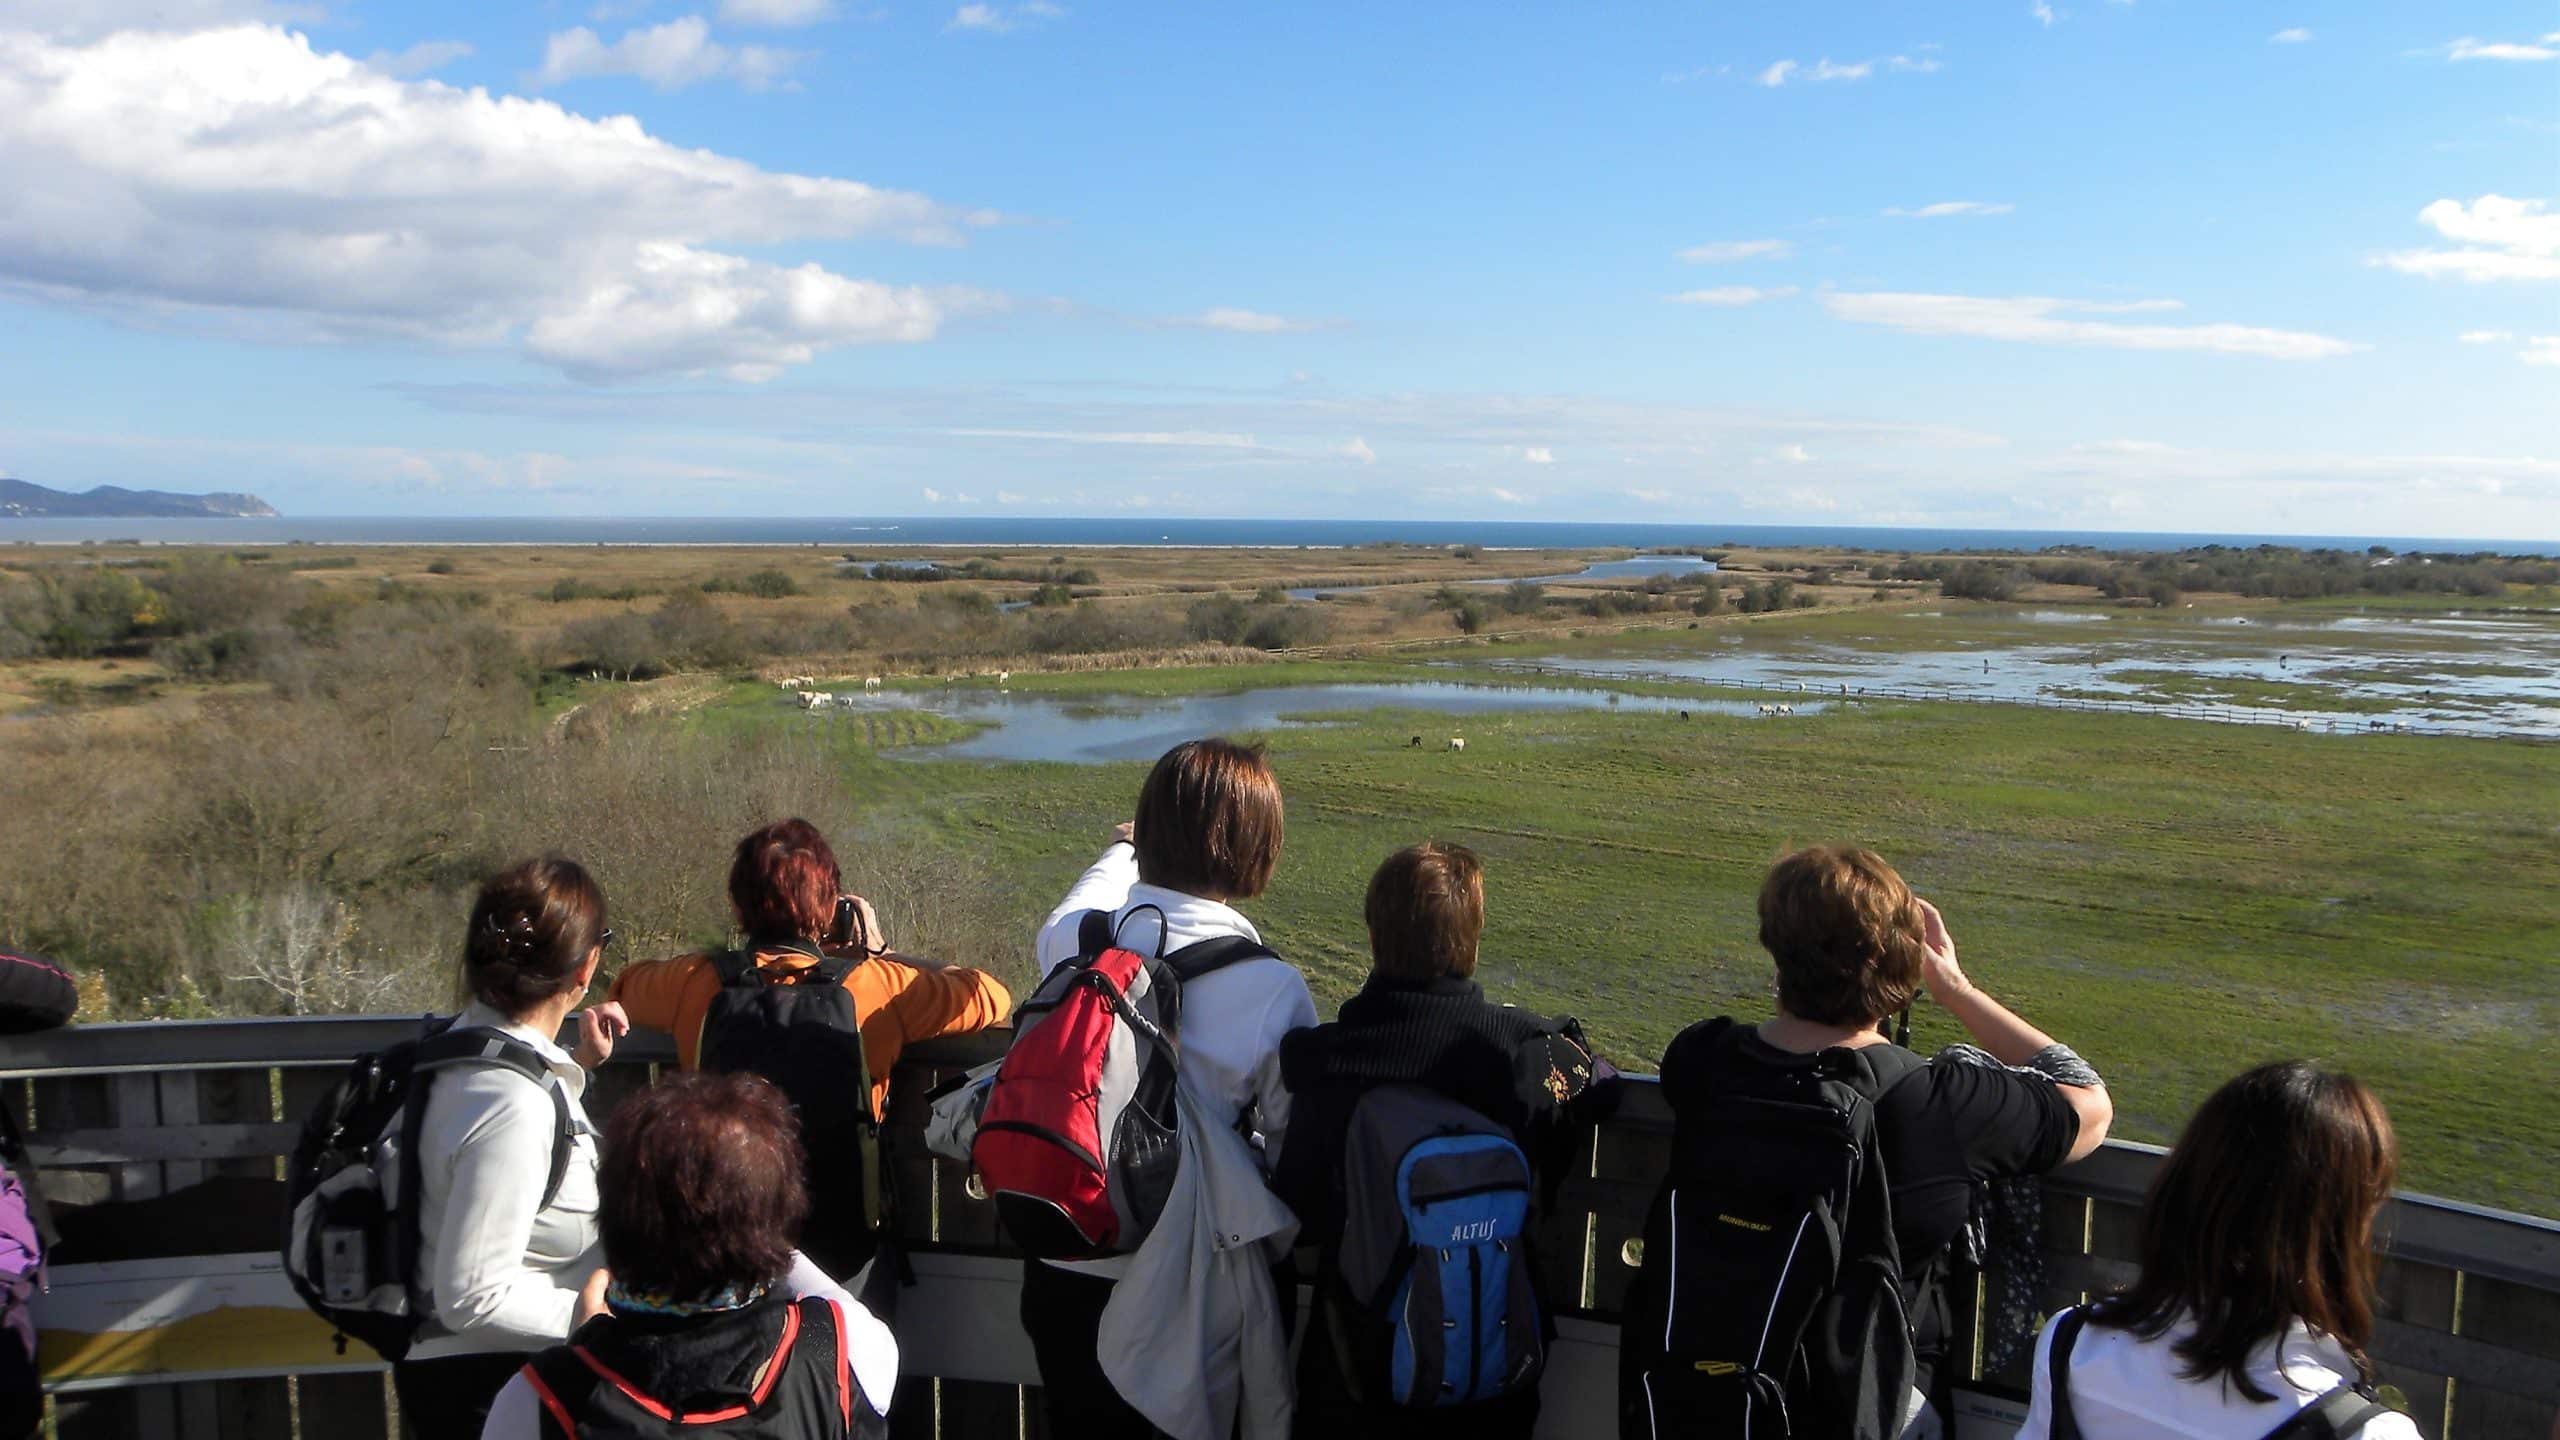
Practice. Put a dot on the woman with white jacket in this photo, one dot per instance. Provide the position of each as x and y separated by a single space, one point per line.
500 1266
2255 1299
1207 833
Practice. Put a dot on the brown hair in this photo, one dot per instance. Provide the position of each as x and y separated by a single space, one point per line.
533 926
1845 932
784 882
701 1186
1426 912
1208 820
2263 1215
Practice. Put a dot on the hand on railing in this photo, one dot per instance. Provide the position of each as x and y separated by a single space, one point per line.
598 1027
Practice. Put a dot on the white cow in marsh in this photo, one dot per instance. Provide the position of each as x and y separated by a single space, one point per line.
870 682
1457 742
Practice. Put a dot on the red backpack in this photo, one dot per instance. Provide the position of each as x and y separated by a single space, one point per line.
1076 1143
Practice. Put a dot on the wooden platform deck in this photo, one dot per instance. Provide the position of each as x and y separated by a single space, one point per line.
161 1146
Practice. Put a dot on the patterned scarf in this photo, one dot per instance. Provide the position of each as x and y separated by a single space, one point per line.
623 1301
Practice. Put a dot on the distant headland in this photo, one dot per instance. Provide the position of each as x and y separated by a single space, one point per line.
24 500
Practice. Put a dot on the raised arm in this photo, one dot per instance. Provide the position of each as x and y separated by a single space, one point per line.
2011 1040
1103 886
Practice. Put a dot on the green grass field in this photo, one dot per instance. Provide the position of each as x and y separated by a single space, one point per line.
2176 900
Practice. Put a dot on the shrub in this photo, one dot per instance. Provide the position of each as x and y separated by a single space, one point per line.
761 584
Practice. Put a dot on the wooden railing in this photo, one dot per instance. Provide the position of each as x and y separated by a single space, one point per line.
160 1146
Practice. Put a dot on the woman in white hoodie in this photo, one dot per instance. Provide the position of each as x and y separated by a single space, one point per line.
1207 833
2256 1294
500 1266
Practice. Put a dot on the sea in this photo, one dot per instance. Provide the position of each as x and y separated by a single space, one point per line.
1034 531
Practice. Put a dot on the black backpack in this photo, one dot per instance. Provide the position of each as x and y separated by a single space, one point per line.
797 1028
1428 1295
1770 1302
801 1389
2337 1413
351 1236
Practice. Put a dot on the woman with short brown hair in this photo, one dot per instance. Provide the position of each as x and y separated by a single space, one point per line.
1207 832
1852 946
1421 1021
2255 1300
707 1322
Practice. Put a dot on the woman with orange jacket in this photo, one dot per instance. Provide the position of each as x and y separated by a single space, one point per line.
801 929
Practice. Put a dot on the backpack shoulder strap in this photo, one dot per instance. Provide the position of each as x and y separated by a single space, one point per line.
1195 960
1093 932
2057 1369
1890 1065
2337 1414
495 1049
735 967
562 1385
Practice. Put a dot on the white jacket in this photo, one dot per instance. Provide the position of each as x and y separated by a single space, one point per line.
2124 1387
501 1269
1232 1019
1191 1336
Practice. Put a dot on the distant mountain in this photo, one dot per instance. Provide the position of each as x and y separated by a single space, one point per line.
20 500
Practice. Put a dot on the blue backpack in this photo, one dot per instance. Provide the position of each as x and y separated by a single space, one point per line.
1428 1295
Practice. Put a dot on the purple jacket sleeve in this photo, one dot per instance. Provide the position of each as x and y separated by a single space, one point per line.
35 994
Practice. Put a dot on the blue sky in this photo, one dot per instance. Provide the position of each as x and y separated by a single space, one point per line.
2288 267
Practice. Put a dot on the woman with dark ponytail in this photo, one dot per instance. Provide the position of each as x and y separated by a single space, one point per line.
504 1252
2255 1301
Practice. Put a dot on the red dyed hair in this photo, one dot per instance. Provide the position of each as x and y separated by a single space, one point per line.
701 1185
784 883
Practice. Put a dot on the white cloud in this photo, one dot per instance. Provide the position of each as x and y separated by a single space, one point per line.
1724 251
1794 455
2468 48
678 309
780 14
2293 35
89 19
2047 321
241 174
1251 322
1730 295
1176 439
2043 13
1944 208
424 58
1357 448
2502 239
2541 350
1782 71
1537 455
1003 19
670 56
2486 337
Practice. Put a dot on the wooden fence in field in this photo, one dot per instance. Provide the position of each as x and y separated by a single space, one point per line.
160 1144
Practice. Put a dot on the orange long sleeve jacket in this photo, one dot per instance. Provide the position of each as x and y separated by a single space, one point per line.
898 1002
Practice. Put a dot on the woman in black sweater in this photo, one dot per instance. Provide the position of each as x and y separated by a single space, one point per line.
1421 1021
